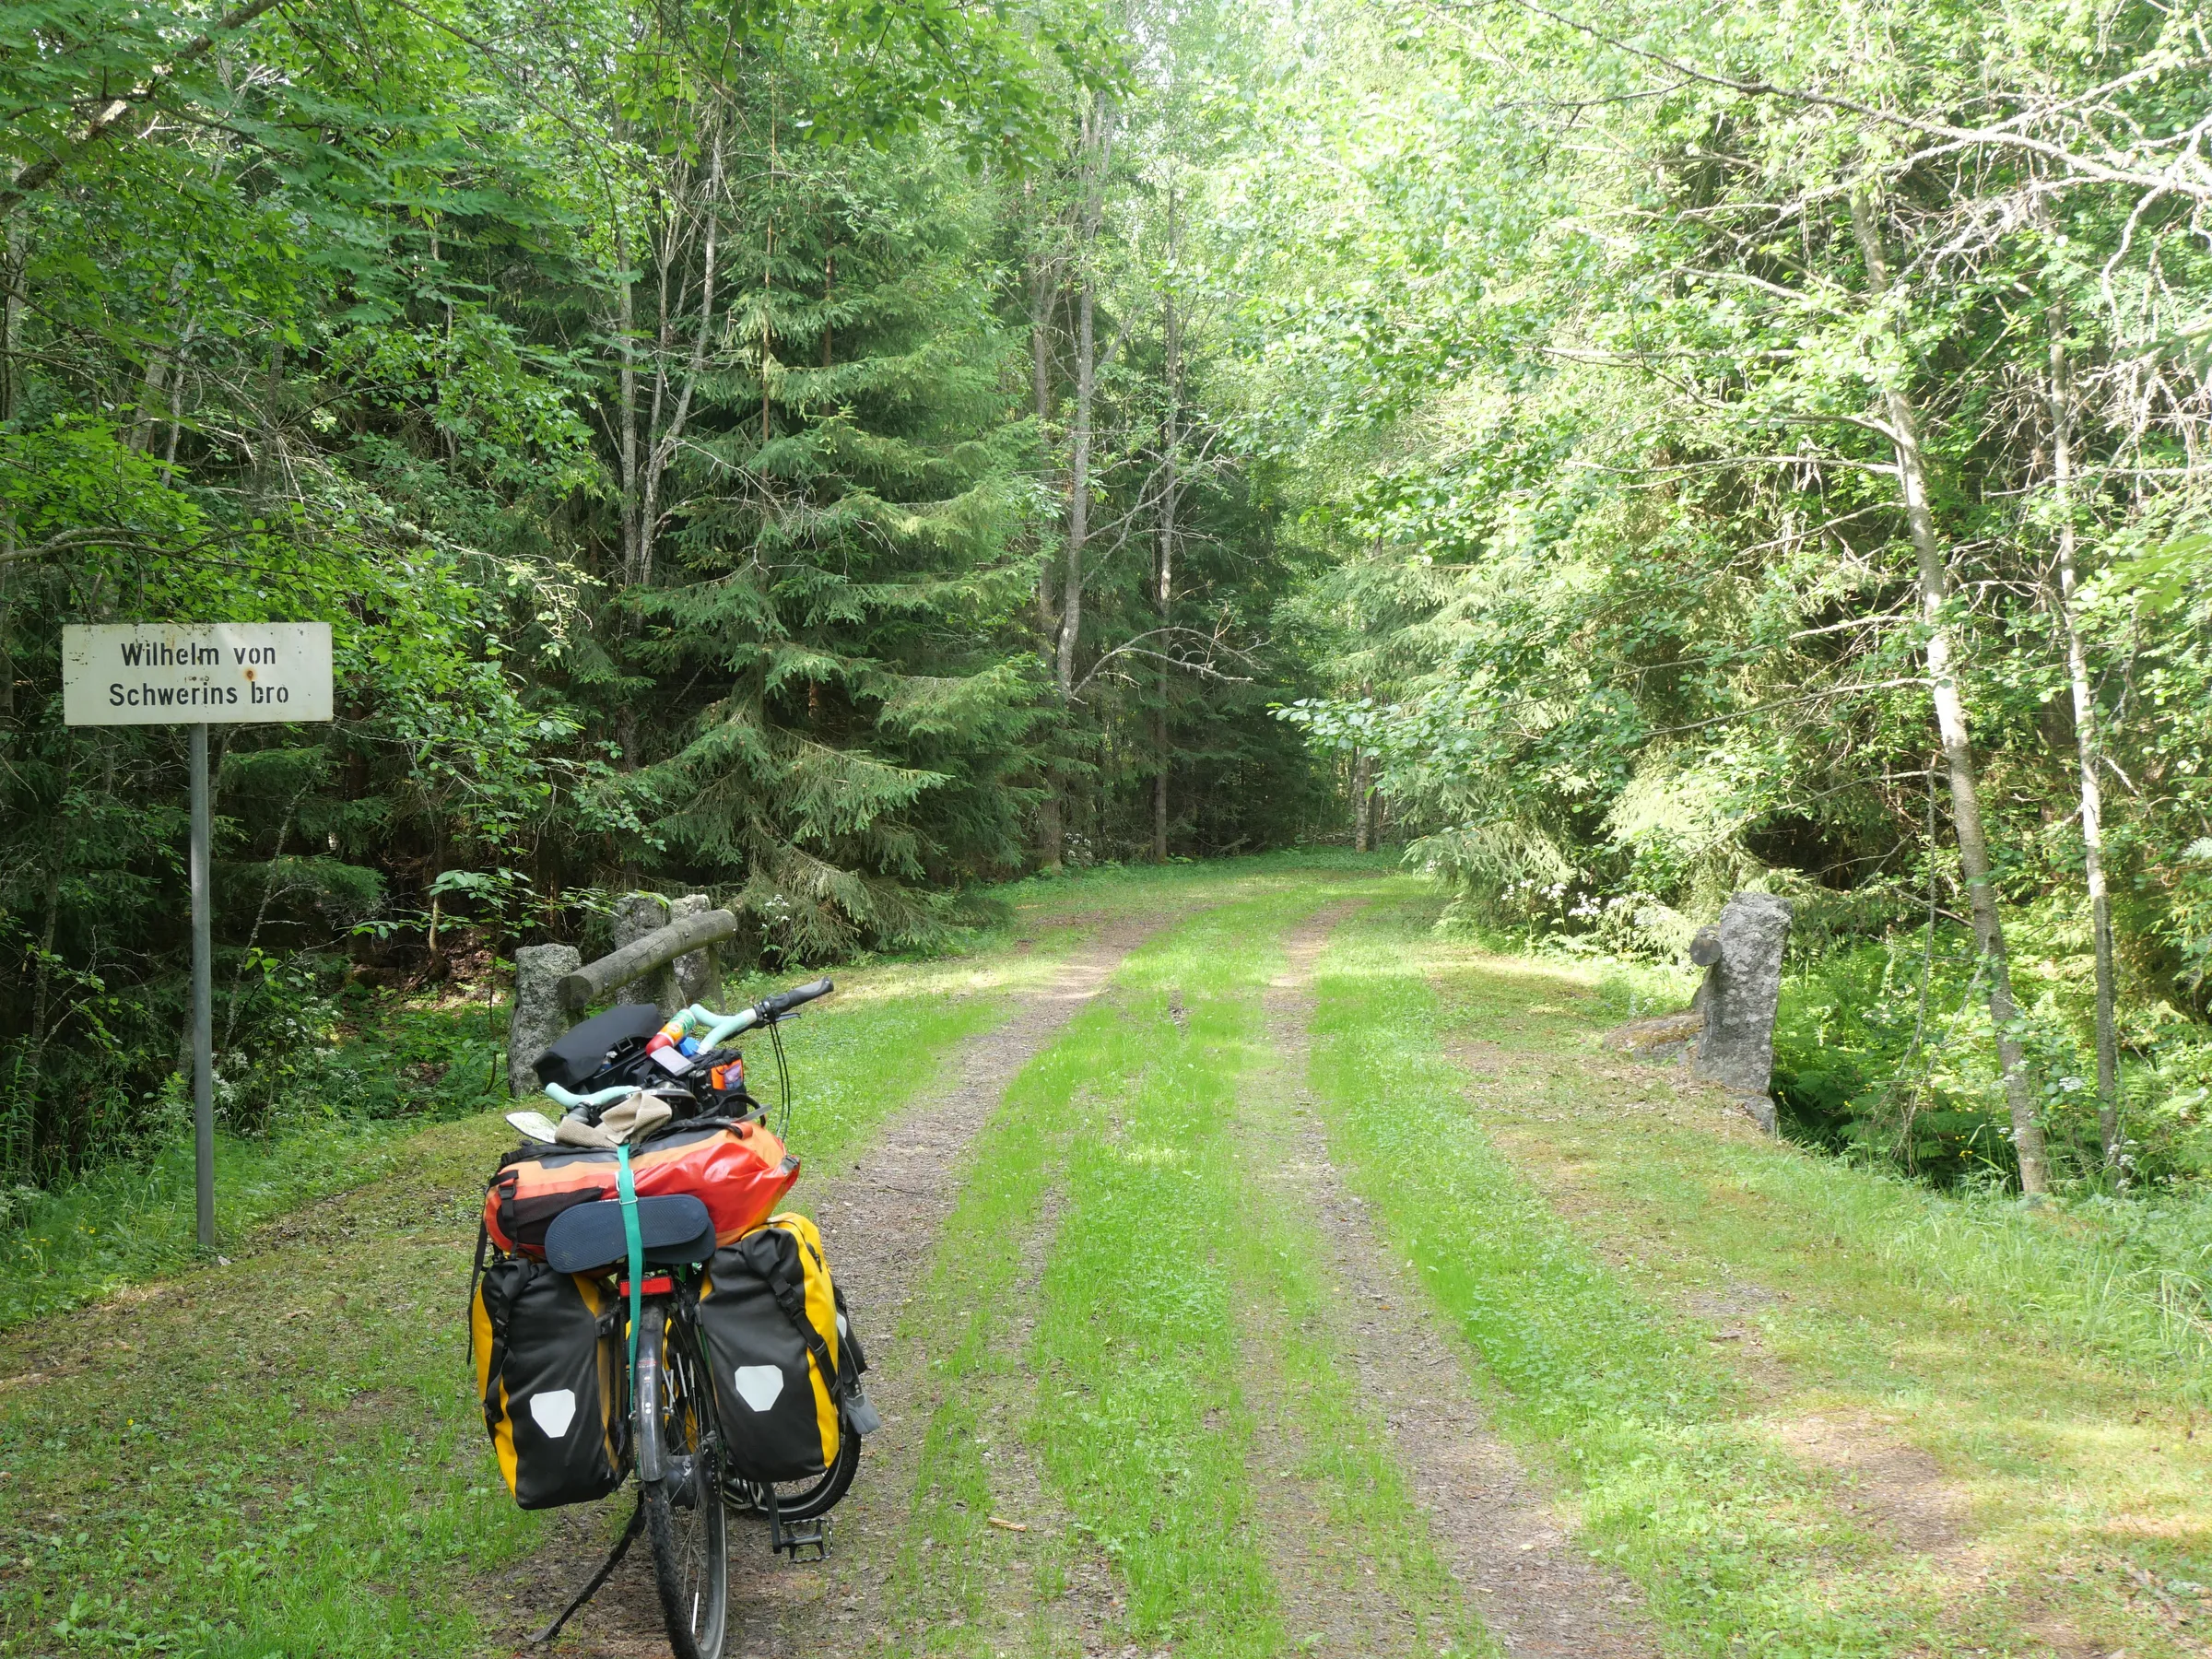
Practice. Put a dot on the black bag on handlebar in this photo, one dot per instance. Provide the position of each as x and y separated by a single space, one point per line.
550 1368
605 1040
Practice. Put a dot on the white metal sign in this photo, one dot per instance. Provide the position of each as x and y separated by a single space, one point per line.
184 673
197 673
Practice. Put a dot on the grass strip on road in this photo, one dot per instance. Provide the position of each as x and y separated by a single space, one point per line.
1115 1141
1382 1585
1117 1155
1578 1220
1142 1422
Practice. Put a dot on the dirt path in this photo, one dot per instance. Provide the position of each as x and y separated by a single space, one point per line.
1501 1539
879 1219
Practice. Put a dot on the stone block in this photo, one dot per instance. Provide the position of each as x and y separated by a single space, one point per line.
538 1018
637 914
697 976
1738 998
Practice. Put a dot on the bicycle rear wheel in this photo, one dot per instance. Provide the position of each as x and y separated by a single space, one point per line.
683 1506
804 1500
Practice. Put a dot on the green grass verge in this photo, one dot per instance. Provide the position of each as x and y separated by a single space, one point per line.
411 1063
280 1456
272 1458
1576 1216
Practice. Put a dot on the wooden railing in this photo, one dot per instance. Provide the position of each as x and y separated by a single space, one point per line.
671 942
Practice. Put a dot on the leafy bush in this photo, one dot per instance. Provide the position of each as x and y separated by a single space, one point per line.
1882 1053
356 1072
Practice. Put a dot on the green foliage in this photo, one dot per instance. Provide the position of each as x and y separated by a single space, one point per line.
1882 1052
1570 350
344 318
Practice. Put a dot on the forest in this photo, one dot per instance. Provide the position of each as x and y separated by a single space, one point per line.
843 457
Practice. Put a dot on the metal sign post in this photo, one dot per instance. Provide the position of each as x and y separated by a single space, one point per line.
203 1003
182 673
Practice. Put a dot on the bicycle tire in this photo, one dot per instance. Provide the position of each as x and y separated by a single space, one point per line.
684 1519
802 1499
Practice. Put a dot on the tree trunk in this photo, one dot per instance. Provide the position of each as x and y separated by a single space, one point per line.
7 654
11 319
267 474
1040 382
1052 834
28 1092
1360 774
767 285
626 391
1097 145
1957 750
1164 590
649 427
11 324
146 413
2087 749
1079 490
663 437
176 403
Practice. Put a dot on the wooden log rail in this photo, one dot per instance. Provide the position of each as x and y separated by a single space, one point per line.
672 941
642 956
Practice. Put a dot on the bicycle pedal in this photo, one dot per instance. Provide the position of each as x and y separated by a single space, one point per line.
794 1536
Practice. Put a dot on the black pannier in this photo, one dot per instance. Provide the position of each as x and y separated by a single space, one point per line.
549 1370
786 1365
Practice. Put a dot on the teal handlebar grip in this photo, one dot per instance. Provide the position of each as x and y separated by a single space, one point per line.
605 1097
726 1026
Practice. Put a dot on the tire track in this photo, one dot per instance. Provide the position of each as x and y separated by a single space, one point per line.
879 1219
1500 1537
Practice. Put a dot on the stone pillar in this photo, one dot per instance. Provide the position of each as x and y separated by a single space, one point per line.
538 1018
1742 958
637 914
698 976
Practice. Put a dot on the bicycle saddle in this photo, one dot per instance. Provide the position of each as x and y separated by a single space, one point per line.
674 1228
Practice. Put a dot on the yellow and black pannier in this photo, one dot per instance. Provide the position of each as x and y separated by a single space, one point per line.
549 1372
786 1365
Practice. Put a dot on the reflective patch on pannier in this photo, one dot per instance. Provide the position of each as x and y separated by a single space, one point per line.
759 1386
786 1367
548 1373
553 1410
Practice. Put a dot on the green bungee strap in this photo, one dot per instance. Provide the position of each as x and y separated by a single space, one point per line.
629 1190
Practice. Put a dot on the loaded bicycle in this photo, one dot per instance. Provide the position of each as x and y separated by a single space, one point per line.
638 1307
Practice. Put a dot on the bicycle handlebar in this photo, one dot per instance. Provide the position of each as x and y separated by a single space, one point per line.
783 1002
766 1011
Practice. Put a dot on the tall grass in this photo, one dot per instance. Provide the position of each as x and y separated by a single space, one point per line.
2128 1280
